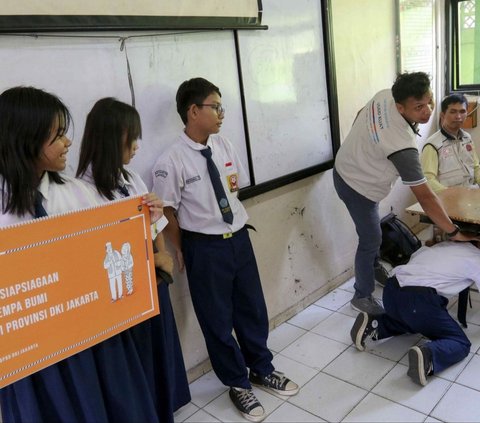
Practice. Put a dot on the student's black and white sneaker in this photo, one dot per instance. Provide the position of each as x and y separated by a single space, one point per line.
275 382
381 273
420 364
247 403
365 327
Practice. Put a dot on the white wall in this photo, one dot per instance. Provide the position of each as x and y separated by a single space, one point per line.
365 64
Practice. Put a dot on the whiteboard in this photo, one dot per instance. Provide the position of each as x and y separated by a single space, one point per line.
273 83
82 70
68 15
173 8
285 85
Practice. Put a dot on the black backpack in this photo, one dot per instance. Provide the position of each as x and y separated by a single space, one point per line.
398 241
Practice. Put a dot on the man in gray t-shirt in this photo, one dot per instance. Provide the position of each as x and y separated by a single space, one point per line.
380 147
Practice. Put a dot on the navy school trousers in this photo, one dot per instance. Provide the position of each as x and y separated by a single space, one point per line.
424 312
227 294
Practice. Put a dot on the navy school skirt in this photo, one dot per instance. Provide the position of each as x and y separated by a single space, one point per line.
135 376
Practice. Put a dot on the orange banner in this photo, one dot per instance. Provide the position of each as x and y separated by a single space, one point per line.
68 282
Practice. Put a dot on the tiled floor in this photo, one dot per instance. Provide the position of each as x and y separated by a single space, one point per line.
340 384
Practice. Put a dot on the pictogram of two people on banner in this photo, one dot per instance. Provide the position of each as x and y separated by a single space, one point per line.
119 267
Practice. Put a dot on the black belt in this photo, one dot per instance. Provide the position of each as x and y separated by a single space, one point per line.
421 289
199 235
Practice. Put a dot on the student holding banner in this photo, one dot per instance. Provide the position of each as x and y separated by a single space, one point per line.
105 383
109 143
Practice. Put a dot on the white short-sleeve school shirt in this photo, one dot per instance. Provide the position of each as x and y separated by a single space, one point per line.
378 131
182 181
134 185
448 266
57 198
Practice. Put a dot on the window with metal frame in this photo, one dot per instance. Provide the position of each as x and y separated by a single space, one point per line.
463 17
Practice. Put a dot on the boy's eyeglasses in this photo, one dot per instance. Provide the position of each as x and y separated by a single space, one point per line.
217 107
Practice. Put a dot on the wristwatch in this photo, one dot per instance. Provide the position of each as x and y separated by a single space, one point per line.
454 232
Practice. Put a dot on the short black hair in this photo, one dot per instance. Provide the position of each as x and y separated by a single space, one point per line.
453 99
410 84
193 91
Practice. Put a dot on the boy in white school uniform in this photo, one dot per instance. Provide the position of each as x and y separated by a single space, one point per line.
207 228
415 301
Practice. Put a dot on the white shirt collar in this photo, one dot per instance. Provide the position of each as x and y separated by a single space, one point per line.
195 145
44 185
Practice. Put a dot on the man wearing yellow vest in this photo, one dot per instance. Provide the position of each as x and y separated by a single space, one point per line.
448 157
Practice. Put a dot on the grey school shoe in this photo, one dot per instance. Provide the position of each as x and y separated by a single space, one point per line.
420 364
275 382
247 403
369 305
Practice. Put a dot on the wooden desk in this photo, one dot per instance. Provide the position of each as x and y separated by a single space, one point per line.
462 206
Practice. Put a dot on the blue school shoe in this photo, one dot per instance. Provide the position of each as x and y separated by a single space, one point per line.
275 382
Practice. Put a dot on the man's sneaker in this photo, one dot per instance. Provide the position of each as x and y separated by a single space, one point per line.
420 364
247 403
275 382
368 305
364 327
381 274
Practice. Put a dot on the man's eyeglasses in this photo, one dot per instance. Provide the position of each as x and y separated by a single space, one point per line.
217 107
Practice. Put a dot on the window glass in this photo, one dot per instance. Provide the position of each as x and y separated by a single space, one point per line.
416 34
466 65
